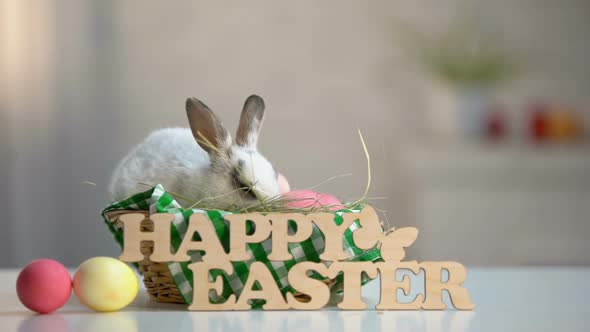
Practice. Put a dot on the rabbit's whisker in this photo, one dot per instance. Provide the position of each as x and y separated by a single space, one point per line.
329 179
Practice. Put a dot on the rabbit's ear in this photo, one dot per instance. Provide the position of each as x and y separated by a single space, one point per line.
206 127
250 122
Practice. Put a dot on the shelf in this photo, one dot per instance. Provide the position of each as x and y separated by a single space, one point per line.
494 164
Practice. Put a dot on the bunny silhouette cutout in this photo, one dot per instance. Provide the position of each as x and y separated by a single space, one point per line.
394 242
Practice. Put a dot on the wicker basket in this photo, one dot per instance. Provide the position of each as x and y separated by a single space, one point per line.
156 275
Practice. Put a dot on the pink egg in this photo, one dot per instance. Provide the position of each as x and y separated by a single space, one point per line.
44 286
302 199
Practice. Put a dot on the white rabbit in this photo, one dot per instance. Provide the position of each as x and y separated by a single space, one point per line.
202 163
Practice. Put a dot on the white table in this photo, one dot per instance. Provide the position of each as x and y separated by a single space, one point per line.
511 299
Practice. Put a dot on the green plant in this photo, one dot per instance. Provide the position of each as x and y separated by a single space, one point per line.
461 57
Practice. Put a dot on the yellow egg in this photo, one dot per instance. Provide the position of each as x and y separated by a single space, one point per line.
105 284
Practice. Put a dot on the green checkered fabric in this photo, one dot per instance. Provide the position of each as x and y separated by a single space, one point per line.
157 200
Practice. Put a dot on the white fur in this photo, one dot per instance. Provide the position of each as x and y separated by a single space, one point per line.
171 157
257 170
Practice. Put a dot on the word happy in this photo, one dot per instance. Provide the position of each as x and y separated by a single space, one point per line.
317 293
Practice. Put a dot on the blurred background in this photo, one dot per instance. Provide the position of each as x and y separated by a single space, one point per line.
475 113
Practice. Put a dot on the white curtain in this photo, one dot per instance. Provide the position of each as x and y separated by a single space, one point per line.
47 94
26 61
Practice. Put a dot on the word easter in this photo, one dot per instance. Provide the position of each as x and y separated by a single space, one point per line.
275 225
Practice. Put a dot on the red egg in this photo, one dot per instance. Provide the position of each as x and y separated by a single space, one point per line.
302 199
44 286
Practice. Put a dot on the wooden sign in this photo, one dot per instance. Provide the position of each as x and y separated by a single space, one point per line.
260 284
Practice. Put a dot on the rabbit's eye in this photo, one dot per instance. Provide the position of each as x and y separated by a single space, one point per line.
249 192
243 187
